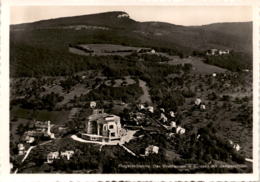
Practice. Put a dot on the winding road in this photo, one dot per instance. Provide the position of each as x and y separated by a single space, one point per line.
146 96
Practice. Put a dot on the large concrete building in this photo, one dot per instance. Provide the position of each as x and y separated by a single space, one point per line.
102 127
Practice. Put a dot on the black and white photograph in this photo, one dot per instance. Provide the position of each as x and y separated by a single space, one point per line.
131 89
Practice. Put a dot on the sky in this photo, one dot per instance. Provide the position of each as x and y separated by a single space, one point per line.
180 15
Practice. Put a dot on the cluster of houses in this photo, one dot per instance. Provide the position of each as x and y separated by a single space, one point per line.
168 118
151 149
59 154
123 15
217 52
39 129
21 149
200 104
235 146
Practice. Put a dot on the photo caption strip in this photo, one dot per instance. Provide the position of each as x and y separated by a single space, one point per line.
4 91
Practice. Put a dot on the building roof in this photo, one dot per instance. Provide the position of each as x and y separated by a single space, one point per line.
103 118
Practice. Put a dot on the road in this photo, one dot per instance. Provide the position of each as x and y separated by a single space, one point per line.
146 96
128 150
29 151
249 160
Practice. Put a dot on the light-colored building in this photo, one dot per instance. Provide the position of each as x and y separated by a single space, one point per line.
153 51
101 126
51 156
214 52
173 124
29 139
140 106
180 130
150 109
93 104
123 15
198 101
172 114
68 154
21 149
202 106
163 118
57 155
151 149
237 147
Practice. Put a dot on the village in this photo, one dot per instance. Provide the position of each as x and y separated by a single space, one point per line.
93 114
103 129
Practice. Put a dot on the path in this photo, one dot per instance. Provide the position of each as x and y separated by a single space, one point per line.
29 151
146 96
124 139
128 150
249 160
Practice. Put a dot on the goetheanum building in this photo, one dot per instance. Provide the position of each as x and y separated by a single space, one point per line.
102 127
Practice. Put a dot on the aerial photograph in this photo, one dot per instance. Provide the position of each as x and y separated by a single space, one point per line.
137 89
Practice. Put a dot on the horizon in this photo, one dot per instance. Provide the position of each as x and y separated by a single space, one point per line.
178 15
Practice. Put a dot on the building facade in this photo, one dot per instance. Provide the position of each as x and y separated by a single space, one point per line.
102 127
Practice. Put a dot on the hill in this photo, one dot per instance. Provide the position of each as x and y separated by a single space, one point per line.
118 28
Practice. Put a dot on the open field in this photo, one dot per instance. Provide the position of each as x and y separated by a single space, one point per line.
197 63
103 49
57 117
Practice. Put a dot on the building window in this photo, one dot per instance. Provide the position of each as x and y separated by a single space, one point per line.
113 134
111 126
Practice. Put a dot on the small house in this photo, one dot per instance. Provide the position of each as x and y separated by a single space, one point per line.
151 149
172 114
180 130
68 154
163 118
150 109
93 104
173 124
21 149
202 106
51 156
198 101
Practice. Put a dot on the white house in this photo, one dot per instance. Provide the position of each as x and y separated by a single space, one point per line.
172 114
163 118
29 139
93 104
68 154
140 106
153 51
198 101
173 124
150 109
151 149
237 147
202 106
123 15
180 130
51 156
21 149
162 110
